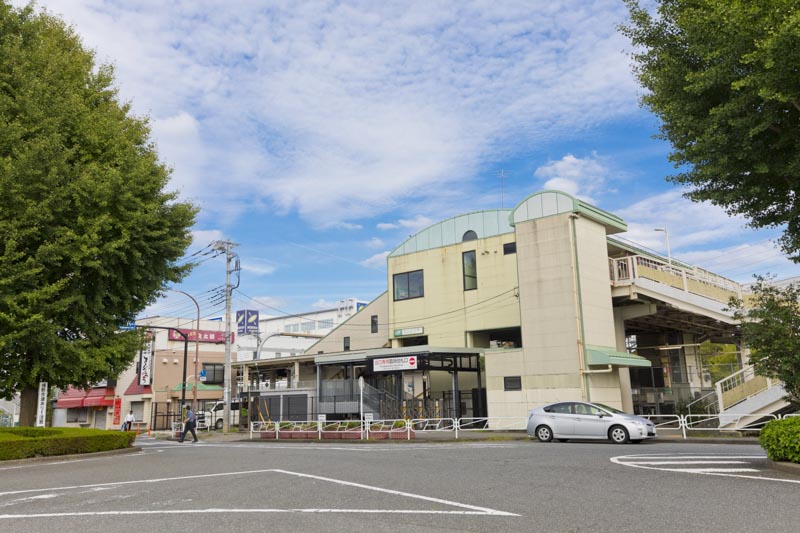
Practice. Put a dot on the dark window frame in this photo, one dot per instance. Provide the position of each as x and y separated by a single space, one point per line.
403 280
213 370
467 277
346 344
373 324
510 248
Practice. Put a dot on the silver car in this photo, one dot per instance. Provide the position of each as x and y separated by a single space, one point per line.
583 420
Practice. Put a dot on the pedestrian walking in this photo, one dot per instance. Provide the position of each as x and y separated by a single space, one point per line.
188 425
129 420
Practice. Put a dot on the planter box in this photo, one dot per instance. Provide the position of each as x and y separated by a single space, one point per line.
352 435
267 435
400 435
378 436
330 435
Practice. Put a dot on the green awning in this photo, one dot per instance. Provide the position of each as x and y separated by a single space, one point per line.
200 387
599 355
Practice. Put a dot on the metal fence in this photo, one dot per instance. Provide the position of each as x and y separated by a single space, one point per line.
407 429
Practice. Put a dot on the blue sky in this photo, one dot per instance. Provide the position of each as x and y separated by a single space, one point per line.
319 135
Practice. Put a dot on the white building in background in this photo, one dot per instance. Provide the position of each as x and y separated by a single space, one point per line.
289 335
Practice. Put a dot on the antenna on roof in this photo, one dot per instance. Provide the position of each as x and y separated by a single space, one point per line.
503 177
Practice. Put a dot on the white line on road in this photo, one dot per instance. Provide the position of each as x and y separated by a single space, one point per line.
711 462
635 462
275 511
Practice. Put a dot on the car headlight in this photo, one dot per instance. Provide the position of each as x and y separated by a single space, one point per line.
638 423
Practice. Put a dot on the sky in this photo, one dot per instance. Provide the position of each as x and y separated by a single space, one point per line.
319 135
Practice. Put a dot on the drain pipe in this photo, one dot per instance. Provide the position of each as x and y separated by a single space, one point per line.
579 309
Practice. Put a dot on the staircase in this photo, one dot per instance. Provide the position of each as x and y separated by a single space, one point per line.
744 392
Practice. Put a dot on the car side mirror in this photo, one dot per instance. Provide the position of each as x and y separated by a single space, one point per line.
600 415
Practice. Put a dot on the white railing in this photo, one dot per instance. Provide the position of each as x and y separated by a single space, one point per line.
626 269
406 429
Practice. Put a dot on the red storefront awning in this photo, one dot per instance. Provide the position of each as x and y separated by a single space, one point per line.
100 397
71 398
135 388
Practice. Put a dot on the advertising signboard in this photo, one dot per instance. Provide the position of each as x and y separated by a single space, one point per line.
202 335
247 322
393 364
146 364
41 406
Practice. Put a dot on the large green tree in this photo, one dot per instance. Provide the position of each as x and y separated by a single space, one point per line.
88 234
770 322
724 78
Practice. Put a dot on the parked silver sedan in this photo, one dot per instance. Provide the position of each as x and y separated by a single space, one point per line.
583 420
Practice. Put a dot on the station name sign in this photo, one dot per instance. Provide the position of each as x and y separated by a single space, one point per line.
200 335
393 364
409 331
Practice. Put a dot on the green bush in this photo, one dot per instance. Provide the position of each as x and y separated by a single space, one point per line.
781 440
21 443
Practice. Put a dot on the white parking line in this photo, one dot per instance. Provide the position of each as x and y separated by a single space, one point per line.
664 462
463 507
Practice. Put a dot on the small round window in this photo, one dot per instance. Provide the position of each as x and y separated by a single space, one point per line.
469 236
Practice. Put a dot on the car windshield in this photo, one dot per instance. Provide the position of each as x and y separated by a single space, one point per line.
609 409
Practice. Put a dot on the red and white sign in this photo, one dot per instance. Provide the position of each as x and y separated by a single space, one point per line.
392 364
202 335
117 411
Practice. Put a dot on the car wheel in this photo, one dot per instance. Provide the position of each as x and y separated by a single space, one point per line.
618 435
218 424
544 434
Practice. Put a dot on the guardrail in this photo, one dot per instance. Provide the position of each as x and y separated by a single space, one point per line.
406 429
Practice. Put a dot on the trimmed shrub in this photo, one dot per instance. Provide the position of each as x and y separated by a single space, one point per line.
781 439
25 442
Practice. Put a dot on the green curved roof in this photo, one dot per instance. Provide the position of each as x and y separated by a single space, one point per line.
451 231
548 203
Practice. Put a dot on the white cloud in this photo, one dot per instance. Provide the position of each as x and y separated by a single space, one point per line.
202 238
417 223
376 261
375 242
256 266
579 177
324 304
342 111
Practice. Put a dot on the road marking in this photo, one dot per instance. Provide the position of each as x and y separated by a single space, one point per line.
263 511
466 508
664 462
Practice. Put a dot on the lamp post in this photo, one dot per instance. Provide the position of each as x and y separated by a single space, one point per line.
196 349
666 237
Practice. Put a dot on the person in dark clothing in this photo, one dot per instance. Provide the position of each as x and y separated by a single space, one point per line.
188 425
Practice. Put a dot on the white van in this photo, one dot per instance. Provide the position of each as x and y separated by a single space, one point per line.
213 417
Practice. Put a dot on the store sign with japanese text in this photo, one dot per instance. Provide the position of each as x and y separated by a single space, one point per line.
146 364
202 335
393 364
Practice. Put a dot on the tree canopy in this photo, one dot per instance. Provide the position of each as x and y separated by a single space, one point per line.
88 233
770 321
724 78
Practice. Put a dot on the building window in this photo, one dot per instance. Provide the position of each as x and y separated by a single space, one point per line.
325 324
215 372
307 326
374 324
509 248
470 271
138 410
77 414
347 344
409 285
512 383
469 235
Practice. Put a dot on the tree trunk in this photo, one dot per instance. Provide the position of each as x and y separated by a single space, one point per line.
28 399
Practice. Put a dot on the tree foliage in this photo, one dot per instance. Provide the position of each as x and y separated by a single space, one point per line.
88 234
724 78
770 322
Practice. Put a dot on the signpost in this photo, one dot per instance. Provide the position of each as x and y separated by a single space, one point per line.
41 405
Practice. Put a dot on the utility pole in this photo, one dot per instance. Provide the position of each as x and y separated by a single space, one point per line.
227 394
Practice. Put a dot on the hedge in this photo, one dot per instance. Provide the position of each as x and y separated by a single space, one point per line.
25 442
781 439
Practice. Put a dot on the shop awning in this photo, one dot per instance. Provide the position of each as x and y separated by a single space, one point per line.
70 398
99 397
600 355
135 388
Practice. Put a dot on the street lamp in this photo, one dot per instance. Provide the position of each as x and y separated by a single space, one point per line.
666 237
196 349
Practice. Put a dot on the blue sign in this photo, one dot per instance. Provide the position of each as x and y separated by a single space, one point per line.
247 322
128 326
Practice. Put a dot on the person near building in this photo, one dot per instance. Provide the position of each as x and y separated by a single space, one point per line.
129 420
188 425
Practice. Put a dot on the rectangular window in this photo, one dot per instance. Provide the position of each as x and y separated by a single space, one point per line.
215 372
347 344
512 383
509 248
325 324
470 271
77 414
409 285
138 410
307 326
374 324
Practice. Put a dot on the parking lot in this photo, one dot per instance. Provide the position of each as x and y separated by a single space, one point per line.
457 486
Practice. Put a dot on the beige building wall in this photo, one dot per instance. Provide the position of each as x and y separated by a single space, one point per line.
447 312
358 329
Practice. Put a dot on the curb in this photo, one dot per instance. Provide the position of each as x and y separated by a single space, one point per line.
47 458
783 466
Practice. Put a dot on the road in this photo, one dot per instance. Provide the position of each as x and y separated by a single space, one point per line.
453 486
